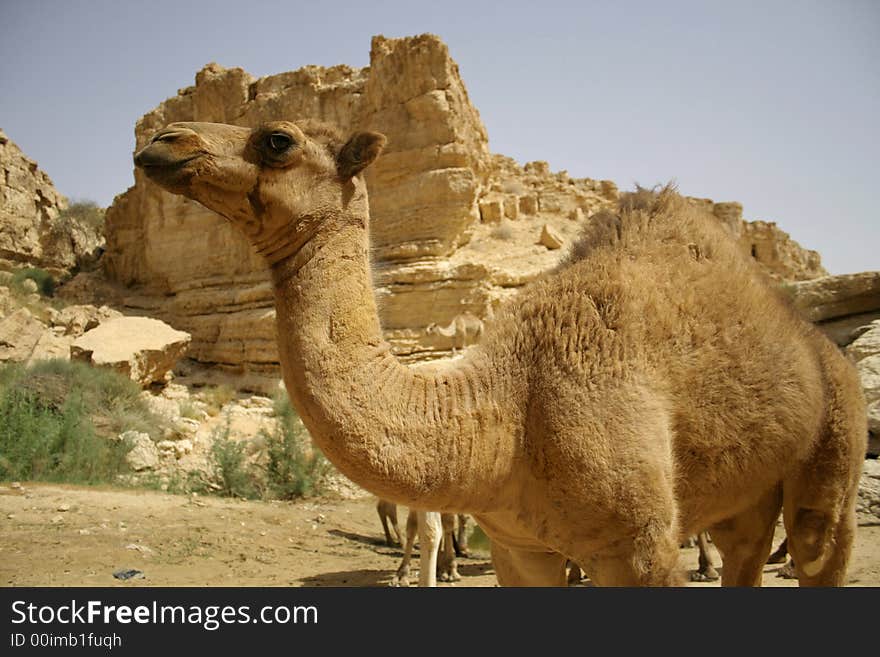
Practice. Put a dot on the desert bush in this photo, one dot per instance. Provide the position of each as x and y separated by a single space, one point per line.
189 409
229 473
59 421
44 280
47 430
216 397
85 213
503 231
296 468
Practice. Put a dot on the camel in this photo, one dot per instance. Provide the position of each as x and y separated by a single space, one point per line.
388 515
464 329
452 545
659 386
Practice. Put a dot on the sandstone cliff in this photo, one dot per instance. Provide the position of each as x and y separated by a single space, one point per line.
35 229
454 228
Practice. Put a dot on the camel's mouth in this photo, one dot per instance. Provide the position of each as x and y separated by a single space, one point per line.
163 169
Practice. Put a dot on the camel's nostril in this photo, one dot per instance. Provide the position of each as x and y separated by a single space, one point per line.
166 135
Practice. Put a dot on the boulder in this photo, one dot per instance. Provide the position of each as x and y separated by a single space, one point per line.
20 332
868 501
491 211
865 352
550 238
77 319
832 297
143 349
143 455
867 344
528 205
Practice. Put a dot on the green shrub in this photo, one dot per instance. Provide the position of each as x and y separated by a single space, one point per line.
188 409
216 397
87 213
44 280
296 468
229 474
59 421
40 440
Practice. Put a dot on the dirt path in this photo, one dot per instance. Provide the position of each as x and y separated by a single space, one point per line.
53 535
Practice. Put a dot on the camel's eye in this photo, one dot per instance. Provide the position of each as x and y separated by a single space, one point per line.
279 142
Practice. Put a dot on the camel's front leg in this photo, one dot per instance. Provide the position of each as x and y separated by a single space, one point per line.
430 533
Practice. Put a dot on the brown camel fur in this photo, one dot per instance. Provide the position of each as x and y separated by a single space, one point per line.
658 387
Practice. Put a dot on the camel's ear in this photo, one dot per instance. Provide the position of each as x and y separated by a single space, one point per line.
358 153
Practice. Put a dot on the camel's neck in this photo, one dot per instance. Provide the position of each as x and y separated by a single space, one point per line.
428 437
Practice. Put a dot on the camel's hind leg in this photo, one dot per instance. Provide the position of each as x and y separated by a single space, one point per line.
744 540
820 495
820 520
527 568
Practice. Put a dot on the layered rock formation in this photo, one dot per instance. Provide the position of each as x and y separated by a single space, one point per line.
34 230
455 230
840 305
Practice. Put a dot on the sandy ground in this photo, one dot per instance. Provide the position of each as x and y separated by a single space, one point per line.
52 535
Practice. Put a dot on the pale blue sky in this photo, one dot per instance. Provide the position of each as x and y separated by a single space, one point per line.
773 104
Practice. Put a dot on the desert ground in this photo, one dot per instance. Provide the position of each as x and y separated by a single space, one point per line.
59 535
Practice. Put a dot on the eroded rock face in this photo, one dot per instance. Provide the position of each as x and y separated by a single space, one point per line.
454 229
834 297
143 349
33 230
780 255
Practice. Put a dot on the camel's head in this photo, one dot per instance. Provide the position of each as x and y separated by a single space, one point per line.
273 181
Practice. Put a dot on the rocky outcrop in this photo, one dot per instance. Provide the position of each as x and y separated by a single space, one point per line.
833 297
840 305
780 255
143 349
865 352
20 332
36 230
868 501
455 230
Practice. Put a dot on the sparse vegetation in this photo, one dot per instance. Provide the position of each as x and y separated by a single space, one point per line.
503 231
230 474
296 468
189 409
85 213
216 397
59 421
43 279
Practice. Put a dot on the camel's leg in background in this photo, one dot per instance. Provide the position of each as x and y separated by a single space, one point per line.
401 578
781 553
388 513
448 565
463 550
706 571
